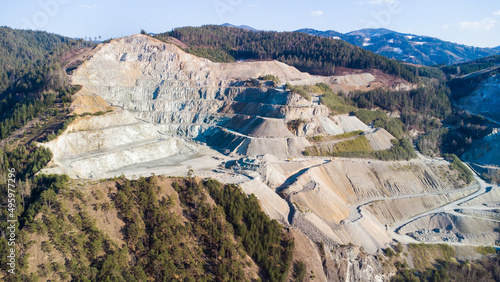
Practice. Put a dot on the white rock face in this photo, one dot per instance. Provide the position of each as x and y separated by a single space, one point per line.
190 96
160 94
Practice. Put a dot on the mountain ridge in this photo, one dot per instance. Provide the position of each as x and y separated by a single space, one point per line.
410 48
406 47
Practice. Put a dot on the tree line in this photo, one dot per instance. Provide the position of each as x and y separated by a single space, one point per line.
313 54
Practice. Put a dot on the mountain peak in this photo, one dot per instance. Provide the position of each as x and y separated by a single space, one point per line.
410 48
372 32
327 33
245 27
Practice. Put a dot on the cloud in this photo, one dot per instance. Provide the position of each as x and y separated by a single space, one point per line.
446 26
484 24
496 13
253 5
317 13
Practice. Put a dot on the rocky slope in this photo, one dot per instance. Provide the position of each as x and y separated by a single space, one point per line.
161 94
148 107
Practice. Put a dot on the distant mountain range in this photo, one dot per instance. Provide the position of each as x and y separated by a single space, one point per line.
410 48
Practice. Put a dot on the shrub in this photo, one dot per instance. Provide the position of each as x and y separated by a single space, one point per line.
486 250
299 89
276 80
337 103
464 172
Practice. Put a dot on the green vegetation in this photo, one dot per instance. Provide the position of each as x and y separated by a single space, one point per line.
368 116
358 144
418 107
212 245
165 248
61 129
485 251
338 103
452 270
213 54
472 66
31 78
464 172
431 143
30 191
24 112
321 138
427 71
389 252
96 114
401 150
313 54
276 80
263 238
29 62
380 119
424 254
300 271
438 263
354 145
48 104
464 128
299 89
294 125
323 88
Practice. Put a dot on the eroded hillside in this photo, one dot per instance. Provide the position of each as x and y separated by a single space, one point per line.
147 107
161 94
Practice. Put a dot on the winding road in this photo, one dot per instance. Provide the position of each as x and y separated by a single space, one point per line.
449 208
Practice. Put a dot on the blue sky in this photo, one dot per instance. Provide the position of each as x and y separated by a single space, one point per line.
468 22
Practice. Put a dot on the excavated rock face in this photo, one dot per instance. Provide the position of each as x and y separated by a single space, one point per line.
193 97
159 93
160 83
158 99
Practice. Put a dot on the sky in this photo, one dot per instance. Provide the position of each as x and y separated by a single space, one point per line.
470 22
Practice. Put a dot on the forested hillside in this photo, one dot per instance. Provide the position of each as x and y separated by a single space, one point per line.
33 87
313 54
32 77
172 230
25 56
472 66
